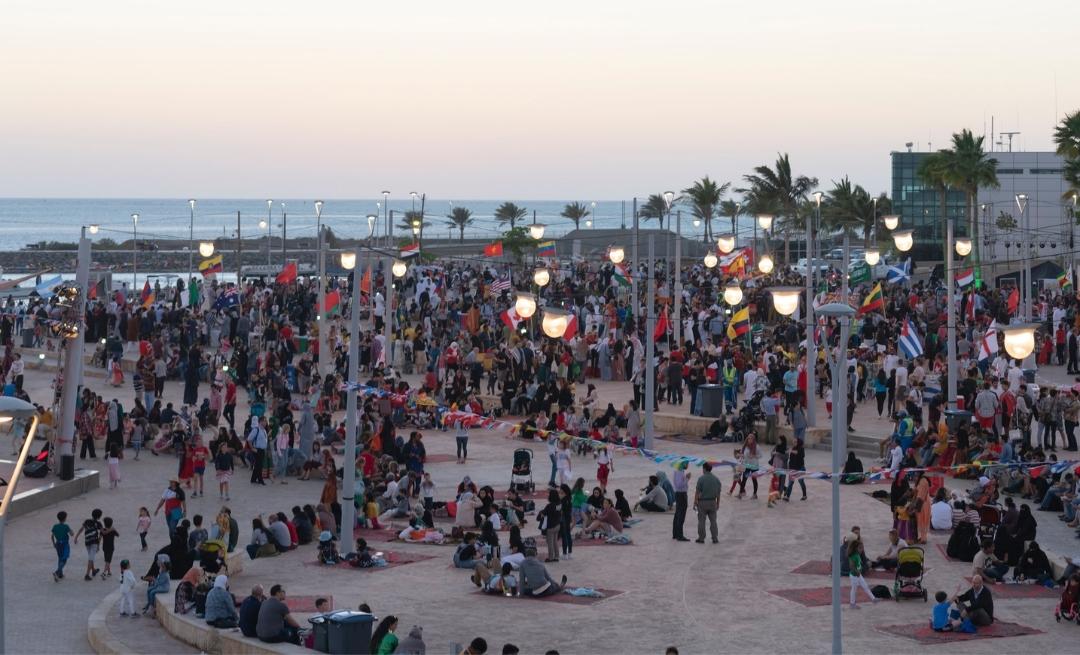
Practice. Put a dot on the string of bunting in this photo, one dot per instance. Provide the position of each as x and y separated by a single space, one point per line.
452 415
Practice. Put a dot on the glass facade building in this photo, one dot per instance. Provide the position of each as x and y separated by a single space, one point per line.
919 207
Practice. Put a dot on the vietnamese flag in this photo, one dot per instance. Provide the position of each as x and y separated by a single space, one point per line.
493 249
287 274
331 301
661 326
365 282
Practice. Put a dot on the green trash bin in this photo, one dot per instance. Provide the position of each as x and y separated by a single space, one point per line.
349 632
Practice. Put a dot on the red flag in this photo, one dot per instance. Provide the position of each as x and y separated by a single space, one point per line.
92 294
287 274
331 301
493 249
661 326
1014 300
571 328
365 282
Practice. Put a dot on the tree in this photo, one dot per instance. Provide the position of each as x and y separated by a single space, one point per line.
734 209
968 167
703 197
510 213
1067 138
655 207
410 217
575 211
851 206
460 217
518 241
778 188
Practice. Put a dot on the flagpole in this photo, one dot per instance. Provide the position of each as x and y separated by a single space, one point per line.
950 317
650 348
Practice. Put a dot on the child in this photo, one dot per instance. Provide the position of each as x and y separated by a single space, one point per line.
579 500
60 535
91 527
328 553
738 471
604 466
941 618
371 511
143 526
108 544
828 399
199 456
223 463
114 466
855 570
138 434
427 492
127 590
774 490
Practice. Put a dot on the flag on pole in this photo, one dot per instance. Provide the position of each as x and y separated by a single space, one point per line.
859 274
736 262
493 249
571 327
1014 300
365 282
966 278
988 347
331 302
910 341
546 249
661 325
899 274
211 266
1065 279
193 295
511 319
739 324
230 297
500 285
621 276
147 295
873 302
45 289
410 250
287 274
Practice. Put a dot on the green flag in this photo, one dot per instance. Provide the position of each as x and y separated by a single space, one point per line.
859 273
193 294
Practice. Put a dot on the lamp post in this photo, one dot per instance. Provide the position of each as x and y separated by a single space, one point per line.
135 252
950 318
10 409
413 195
191 238
811 345
321 312
677 285
73 361
267 225
386 215
348 503
284 235
650 345
1021 203
391 271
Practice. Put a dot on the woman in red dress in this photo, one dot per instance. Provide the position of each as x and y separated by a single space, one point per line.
187 466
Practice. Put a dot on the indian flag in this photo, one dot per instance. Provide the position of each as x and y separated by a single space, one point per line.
966 278
621 275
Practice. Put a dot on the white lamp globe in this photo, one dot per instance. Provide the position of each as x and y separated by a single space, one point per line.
525 304
555 322
963 246
206 248
1019 339
733 294
710 260
785 299
765 264
903 240
726 243
541 276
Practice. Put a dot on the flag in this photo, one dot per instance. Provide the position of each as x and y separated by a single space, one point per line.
97 290
365 282
287 274
621 276
860 274
899 274
331 302
193 294
988 347
500 285
230 297
966 278
410 250
739 324
45 289
873 301
971 304
661 326
211 266
147 295
1065 279
910 341
736 262
546 249
511 319
1014 300
571 327
493 249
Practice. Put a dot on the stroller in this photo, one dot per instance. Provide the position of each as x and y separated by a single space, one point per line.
212 556
743 423
989 520
909 574
521 476
1068 608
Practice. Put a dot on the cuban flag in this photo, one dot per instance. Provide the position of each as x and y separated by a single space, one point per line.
910 341
899 274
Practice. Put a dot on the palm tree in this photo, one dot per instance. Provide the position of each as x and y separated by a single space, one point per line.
575 211
703 197
968 168
851 206
1067 138
510 213
734 209
780 189
654 208
460 217
410 217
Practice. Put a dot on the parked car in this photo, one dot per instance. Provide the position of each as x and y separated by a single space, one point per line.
820 266
836 255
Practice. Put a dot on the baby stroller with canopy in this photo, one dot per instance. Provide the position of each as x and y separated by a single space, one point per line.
521 475
989 520
909 574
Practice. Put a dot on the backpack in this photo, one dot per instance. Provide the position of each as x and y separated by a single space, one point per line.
91 532
880 591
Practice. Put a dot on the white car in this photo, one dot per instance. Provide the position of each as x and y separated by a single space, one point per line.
820 266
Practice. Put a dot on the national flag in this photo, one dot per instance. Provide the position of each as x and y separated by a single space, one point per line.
571 327
120 298
410 250
860 274
511 319
736 262
739 324
365 282
661 325
966 278
193 294
211 266
988 347
331 302
147 295
1014 300
910 341
45 289
500 285
493 249
1065 279
230 297
971 304
874 301
546 250
621 276
287 274
899 274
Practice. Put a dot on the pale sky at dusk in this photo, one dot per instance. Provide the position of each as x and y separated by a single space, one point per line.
502 100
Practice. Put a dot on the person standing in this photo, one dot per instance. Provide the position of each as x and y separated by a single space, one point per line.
61 535
258 439
770 406
706 498
681 483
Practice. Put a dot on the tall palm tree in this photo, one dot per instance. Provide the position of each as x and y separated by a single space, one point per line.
851 206
734 209
703 198
510 213
575 211
460 217
407 220
779 188
655 207
968 167
1067 138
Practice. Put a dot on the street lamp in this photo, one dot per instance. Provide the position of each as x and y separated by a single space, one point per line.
10 409
1019 339
536 230
669 197
555 322
891 221
765 221
94 227
399 268
697 222
903 240
191 237
135 252
525 304
413 195
726 243
348 260
765 264
541 276
588 222
873 256
785 299
206 248
371 218
733 294
963 246
616 254
710 260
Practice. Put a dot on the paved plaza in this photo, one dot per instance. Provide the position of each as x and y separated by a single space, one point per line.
701 598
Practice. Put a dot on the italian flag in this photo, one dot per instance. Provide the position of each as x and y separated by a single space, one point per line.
966 278
621 276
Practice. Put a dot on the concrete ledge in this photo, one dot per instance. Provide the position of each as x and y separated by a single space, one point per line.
102 640
32 500
194 631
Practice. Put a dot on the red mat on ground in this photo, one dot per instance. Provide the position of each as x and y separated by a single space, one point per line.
924 634
565 599
945 554
818 596
1023 591
393 559
822 567
440 458
305 603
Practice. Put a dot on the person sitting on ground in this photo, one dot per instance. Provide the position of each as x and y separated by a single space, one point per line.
535 579
502 583
220 606
304 529
941 512
362 557
942 619
260 545
468 553
249 611
985 564
653 498
889 559
328 552
607 521
977 604
1033 565
275 624
622 505
853 470
279 534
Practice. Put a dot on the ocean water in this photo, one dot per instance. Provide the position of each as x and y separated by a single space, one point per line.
30 220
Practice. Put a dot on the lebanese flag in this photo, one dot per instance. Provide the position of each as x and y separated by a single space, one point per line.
287 274
493 249
661 326
966 278
1014 300
410 250
511 319
571 328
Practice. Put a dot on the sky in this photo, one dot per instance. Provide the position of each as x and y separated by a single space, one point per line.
508 100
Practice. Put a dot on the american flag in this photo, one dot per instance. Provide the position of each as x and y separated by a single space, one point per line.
500 285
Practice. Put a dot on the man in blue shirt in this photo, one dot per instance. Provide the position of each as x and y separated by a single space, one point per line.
770 406
249 610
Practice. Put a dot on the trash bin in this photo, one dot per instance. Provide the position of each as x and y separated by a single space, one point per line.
27 338
350 632
1029 375
67 467
710 400
954 418
320 633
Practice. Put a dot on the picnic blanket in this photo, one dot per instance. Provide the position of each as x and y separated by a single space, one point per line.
922 632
